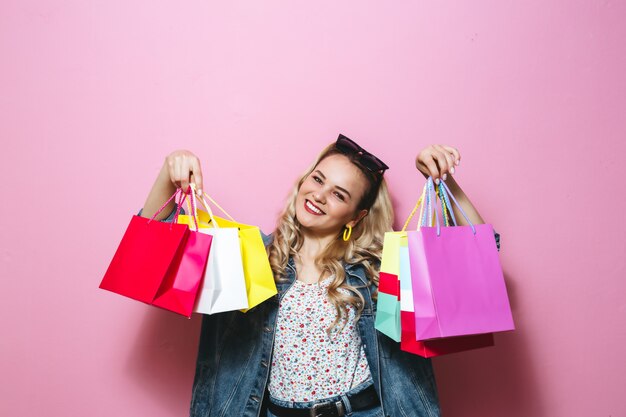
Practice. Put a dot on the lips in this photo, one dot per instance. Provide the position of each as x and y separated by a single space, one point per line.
312 208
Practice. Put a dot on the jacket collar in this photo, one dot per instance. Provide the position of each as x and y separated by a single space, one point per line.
352 270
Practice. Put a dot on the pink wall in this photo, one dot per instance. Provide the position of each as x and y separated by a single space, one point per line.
94 94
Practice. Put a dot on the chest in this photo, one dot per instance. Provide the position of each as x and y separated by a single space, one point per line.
309 273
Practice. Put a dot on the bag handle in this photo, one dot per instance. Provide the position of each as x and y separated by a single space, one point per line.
179 204
418 204
443 195
203 202
447 192
206 205
459 206
431 209
216 205
422 202
191 206
166 203
430 206
428 209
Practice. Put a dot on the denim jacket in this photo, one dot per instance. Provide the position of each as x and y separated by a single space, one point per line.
235 352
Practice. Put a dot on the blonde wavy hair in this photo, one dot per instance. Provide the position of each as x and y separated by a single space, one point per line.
364 247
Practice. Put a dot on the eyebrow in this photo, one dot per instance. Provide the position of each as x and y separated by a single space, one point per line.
336 186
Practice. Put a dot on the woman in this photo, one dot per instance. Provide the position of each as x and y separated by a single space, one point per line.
312 350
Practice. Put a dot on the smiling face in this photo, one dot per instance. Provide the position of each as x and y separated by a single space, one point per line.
328 199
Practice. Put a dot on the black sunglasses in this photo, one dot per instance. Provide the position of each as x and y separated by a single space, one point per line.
369 161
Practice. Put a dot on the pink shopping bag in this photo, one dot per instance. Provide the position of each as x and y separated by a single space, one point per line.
409 342
433 347
458 284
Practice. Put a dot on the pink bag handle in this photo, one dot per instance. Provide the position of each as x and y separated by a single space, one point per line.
179 205
164 205
195 212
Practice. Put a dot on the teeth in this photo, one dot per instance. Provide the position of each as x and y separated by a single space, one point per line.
313 208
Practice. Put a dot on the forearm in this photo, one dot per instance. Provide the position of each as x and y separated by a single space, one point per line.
465 203
162 189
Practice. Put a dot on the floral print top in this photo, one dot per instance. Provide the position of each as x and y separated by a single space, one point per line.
307 363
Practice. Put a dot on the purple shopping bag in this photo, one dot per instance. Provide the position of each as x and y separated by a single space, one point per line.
458 284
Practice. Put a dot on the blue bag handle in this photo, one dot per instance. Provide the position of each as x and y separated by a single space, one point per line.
431 202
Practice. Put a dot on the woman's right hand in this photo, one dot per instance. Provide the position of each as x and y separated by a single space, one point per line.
184 169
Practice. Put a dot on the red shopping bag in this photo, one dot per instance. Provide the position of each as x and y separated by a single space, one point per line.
159 263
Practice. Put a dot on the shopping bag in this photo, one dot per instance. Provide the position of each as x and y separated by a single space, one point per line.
387 319
427 348
180 290
458 284
223 287
259 278
159 263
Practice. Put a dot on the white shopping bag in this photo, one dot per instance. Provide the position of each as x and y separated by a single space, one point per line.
223 287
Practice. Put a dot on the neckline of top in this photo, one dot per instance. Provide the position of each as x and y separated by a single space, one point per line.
324 281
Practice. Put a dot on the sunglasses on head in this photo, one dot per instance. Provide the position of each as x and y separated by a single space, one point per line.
369 161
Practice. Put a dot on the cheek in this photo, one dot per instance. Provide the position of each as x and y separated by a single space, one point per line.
305 188
341 211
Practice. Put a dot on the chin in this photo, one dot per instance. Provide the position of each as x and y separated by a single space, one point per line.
303 217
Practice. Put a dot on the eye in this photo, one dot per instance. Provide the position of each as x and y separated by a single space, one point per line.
317 179
340 196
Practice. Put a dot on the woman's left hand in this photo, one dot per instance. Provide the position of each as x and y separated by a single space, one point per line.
437 161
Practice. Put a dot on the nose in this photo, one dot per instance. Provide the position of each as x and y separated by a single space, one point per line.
319 196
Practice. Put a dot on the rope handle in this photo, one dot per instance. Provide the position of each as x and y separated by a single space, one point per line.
428 207
180 206
431 209
419 202
206 206
422 202
440 193
447 193
216 205
191 206
176 193
459 207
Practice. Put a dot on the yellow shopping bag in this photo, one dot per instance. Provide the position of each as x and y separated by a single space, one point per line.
258 273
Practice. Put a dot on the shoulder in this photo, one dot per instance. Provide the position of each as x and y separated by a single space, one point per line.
359 271
267 239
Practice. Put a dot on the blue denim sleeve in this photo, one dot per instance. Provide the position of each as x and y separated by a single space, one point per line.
169 218
267 239
497 237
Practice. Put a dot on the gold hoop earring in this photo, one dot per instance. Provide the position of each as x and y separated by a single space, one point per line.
346 237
